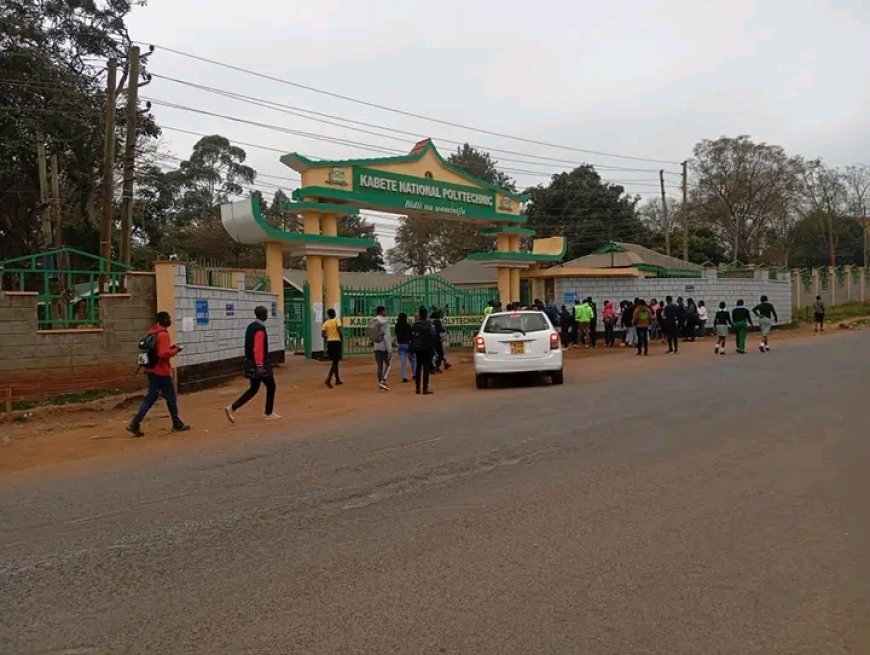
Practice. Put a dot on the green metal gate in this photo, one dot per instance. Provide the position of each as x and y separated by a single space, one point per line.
462 308
297 323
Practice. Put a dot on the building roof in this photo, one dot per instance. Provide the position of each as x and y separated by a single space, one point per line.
468 272
351 280
618 254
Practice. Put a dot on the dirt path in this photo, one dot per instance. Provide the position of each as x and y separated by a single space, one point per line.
69 439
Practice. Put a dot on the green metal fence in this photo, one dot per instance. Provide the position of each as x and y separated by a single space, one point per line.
462 308
68 283
294 323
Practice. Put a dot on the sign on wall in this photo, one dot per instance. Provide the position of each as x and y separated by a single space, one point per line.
570 297
274 310
231 309
202 312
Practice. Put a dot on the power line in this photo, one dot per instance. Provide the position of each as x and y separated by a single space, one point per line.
301 112
407 113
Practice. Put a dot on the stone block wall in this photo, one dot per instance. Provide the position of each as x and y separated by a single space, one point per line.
37 363
710 289
214 346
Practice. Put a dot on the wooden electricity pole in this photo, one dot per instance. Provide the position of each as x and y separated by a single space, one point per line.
665 214
60 259
130 154
108 166
43 189
684 211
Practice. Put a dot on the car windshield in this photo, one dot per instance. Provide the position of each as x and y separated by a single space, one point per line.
506 323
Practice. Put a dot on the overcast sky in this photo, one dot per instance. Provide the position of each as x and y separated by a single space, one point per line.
631 77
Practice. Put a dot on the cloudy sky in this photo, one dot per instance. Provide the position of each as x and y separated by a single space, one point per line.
633 78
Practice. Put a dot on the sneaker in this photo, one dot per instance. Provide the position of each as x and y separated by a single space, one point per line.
404 380
134 429
716 351
231 415
428 393
761 347
722 352
338 383
383 386
181 427
328 383
271 417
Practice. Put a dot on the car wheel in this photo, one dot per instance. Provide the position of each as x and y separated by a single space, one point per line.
481 381
558 377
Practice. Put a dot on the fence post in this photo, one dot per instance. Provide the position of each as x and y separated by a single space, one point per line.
816 290
832 284
848 270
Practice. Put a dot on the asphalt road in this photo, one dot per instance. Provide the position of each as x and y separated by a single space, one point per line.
715 506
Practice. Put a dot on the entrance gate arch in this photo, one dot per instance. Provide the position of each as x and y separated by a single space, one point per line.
421 184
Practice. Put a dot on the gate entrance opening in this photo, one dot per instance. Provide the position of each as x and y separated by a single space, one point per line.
421 184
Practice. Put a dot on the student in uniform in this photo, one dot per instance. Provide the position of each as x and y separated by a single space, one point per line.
741 319
766 318
721 322
332 335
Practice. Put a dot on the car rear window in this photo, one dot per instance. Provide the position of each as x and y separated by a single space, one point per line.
516 323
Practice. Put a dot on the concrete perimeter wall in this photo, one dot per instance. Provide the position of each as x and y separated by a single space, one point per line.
213 341
836 286
710 288
38 364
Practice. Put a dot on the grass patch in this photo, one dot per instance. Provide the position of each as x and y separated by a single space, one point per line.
64 399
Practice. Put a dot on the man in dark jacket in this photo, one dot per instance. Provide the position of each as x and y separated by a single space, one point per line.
258 369
159 373
423 340
670 323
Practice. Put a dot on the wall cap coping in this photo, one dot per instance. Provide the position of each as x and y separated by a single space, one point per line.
21 293
149 273
115 295
71 331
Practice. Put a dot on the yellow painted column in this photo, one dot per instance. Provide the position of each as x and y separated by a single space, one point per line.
332 285
504 285
314 277
515 272
164 283
275 272
515 284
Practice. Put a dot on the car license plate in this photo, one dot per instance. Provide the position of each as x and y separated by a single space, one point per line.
518 348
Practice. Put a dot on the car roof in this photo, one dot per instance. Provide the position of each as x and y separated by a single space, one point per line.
521 311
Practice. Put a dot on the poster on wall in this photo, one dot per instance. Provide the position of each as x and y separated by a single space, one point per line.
231 309
318 312
570 297
187 324
274 310
202 312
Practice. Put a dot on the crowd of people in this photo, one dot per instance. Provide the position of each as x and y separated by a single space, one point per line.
423 342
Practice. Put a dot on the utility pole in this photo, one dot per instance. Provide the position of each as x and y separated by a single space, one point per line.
108 168
665 214
866 243
60 259
43 189
130 154
684 212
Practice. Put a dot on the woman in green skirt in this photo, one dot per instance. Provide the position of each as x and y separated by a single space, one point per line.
741 319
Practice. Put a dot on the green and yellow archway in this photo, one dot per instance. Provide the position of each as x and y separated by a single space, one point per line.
421 184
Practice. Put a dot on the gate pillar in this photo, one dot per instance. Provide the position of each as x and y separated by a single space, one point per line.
331 283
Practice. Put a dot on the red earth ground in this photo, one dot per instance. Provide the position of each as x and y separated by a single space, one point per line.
71 438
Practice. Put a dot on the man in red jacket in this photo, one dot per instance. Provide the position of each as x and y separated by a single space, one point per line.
258 368
160 379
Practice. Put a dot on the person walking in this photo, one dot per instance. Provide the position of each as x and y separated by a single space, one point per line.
721 323
659 321
691 320
333 337
670 318
158 371
642 319
403 342
609 318
702 318
442 342
565 322
379 335
766 315
654 329
628 323
681 317
818 315
423 346
552 311
258 369
741 319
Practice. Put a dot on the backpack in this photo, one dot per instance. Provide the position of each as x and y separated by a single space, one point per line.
374 331
421 335
643 315
148 351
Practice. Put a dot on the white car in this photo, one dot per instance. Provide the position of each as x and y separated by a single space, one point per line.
517 342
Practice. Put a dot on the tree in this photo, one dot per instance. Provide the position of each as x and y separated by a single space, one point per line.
53 92
427 245
824 195
586 210
370 260
741 187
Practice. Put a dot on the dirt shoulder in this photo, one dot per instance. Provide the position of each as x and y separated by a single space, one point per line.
72 438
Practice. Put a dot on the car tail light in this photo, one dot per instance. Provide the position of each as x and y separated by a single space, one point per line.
555 344
480 344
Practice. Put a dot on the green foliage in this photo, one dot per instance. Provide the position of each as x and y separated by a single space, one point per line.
370 260
586 210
